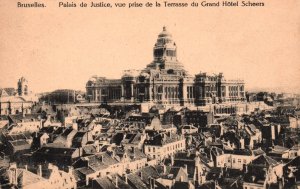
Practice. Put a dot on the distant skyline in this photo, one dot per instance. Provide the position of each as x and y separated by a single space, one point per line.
61 48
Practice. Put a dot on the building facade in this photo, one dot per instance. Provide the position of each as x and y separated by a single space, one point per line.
18 101
165 81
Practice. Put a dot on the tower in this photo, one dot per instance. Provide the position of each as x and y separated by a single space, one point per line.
165 53
164 47
23 87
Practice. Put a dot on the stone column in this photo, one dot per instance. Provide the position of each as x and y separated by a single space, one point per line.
132 97
163 94
122 92
96 94
150 92
184 92
100 95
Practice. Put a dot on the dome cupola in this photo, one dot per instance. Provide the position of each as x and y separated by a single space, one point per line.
164 47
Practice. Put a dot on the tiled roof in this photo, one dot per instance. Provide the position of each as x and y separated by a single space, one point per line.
19 143
121 183
28 178
60 151
13 137
258 151
190 166
85 170
244 152
149 172
104 183
89 149
181 185
161 139
265 161
26 118
136 181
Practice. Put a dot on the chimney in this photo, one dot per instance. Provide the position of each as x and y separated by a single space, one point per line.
216 184
39 171
165 168
70 169
197 160
141 174
13 177
280 184
151 183
172 159
126 178
113 153
185 168
188 153
26 167
245 167
117 184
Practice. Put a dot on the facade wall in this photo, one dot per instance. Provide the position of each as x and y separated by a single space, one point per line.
164 81
233 161
12 108
161 152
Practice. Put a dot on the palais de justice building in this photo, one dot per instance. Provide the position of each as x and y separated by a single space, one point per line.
165 81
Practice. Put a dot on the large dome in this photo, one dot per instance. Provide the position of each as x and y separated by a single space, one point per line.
165 33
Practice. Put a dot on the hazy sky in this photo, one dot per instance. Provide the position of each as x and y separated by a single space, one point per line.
63 47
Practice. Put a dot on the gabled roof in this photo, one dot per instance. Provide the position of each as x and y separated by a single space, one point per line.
208 185
181 185
17 118
21 136
162 138
190 166
117 180
264 161
104 183
28 178
136 181
244 152
89 149
279 149
258 151
59 151
149 172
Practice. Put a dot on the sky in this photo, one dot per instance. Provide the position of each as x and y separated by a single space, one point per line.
59 48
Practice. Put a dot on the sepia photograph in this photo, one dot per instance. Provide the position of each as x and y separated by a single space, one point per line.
165 94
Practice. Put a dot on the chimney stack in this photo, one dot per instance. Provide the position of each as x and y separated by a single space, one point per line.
117 184
141 174
126 178
172 159
165 168
185 168
39 171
